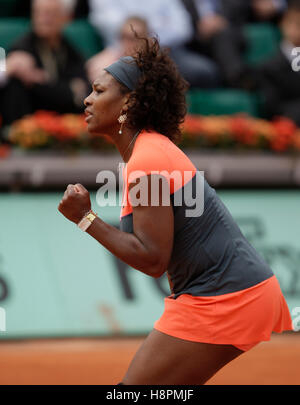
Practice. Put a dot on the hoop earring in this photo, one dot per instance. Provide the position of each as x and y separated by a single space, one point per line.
122 120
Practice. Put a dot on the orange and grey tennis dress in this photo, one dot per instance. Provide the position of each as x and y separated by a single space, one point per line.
223 292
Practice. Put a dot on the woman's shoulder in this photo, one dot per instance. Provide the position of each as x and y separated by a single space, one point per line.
153 137
149 153
151 144
156 151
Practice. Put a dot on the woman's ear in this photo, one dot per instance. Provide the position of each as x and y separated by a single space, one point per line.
125 107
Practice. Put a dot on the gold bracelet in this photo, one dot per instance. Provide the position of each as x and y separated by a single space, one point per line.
87 220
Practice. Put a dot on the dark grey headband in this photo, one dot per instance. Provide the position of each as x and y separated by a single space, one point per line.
126 71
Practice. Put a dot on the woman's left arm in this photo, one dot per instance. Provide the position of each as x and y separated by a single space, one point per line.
148 249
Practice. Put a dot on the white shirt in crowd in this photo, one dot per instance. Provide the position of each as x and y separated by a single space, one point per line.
169 19
166 18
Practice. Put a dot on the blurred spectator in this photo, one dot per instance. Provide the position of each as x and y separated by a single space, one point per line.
43 69
218 33
221 40
280 78
172 23
80 8
248 11
267 10
125 46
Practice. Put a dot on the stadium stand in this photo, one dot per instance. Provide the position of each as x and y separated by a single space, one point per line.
262 41
7 8
80 33
83 36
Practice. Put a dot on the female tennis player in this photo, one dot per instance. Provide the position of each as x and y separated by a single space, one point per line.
224 298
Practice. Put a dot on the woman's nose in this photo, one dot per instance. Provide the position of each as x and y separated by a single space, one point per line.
87 100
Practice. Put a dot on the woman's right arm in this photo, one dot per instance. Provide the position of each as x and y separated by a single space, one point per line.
148 249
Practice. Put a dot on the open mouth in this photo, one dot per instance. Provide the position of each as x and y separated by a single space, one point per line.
88 115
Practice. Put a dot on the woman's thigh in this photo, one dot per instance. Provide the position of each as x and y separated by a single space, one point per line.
164 359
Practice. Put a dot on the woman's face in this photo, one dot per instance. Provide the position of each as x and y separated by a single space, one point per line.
104 105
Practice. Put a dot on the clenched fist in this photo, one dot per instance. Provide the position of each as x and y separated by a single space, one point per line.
75 203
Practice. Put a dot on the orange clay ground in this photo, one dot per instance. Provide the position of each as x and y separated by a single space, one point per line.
104 361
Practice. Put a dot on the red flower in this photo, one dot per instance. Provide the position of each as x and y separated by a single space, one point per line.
285 132
4 151
193 125
242 130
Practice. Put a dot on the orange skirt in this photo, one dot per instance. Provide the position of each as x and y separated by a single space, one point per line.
242 319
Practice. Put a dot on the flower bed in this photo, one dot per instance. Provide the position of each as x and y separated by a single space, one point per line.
241 132
44 130
48 130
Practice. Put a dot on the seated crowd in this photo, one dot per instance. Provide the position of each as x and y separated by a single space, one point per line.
204 37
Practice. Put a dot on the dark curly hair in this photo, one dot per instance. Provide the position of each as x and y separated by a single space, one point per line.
159 101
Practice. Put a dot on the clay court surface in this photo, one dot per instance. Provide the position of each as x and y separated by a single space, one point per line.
104 361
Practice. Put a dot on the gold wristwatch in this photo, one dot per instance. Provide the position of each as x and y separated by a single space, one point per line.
87 220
